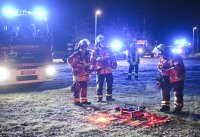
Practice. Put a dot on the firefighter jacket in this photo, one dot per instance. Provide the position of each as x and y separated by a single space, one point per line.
133 57
103 60
80 65
172 67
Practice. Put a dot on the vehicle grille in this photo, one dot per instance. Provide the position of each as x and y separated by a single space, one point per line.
24 78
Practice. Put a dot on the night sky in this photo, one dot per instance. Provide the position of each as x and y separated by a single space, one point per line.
164 19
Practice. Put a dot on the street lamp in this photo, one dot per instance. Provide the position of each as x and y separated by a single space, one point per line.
194 28
98 12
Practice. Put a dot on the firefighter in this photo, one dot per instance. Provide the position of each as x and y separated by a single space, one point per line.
172 71
103 61
81 70
133 60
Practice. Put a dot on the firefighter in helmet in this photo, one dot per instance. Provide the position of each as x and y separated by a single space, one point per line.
81 70
133 60
172 76
103 61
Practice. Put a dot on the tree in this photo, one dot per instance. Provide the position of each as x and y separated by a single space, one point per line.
80 29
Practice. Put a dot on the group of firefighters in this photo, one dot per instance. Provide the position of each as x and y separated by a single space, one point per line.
102 61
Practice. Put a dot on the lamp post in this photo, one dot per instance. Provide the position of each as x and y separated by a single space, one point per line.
98 12
193 43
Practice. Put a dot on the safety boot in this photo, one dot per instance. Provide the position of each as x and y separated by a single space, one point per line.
78 104
136 76
109 99
176 111
86 103
99 99
164 109
128 78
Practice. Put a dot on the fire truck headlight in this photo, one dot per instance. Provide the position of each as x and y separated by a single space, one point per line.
140 50
50 70
4 74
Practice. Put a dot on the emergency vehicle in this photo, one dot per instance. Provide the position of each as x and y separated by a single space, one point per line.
144 48
25 47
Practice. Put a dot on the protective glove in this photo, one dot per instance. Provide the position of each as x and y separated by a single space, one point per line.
158 83
76 71
99 59
130 62
89 69
73 87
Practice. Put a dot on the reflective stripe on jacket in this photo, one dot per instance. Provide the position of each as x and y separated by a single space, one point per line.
173 67
79 63
103 60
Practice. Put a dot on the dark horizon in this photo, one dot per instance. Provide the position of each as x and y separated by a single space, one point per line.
165 20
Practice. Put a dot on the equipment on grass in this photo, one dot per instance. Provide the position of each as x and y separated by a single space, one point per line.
133 112
139 117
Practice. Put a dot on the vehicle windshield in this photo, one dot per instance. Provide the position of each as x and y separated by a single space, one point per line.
24 32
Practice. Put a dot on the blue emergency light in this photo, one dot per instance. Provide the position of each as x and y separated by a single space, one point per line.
9 11
177 50
116 45
38 13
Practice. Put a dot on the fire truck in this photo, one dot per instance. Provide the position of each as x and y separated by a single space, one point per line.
25 47
144 48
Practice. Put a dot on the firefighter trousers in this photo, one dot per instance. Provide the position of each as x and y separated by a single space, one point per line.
178 93
131 68
81 90
100 81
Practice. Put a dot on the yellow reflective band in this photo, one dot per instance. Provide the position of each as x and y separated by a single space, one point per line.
108 94
165 102
84 100
178 105
76 99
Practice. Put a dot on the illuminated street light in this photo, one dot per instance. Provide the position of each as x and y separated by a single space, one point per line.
98 12
194 28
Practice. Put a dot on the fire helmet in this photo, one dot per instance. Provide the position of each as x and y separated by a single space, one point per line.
99 38
83 42
159 49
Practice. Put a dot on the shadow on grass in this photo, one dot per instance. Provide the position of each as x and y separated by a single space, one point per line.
188 115
19 88
36 87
